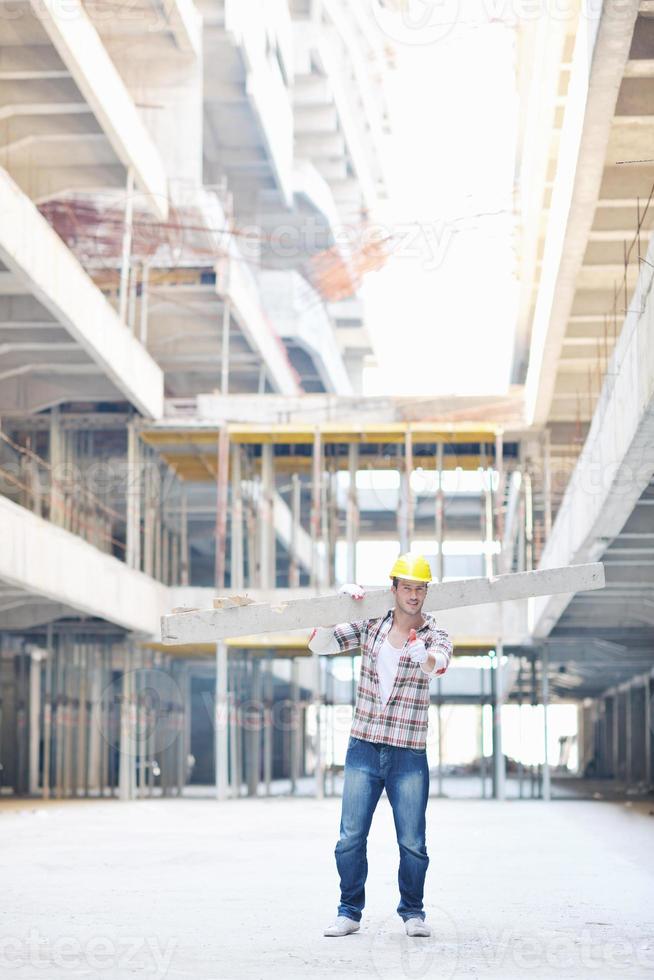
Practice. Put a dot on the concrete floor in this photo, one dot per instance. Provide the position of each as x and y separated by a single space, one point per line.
194 888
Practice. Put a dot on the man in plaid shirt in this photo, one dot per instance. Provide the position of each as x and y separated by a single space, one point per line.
400 652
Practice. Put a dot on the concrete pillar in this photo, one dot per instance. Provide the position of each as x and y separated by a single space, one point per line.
56 467
547 482
352 520
47 712
222 476
82 726
294 739
34 720
221 722
267 558
234 762
133 516
499 767
123 291
185 558
489 534
94 777
547 791
498 498
629 735
254 728
439 718
316 502
319 770
237 568
268 724
649 733
296 506
406 508
440 512
331 513
145 296
127 775
482 746
224 350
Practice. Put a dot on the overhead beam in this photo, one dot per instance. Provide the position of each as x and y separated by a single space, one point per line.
601 52
54 564
33 251
85 56
214 624
616 463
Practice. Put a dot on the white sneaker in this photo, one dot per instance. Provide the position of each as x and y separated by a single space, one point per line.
342 927
417 927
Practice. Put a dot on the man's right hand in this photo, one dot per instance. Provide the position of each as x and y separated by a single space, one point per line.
353 590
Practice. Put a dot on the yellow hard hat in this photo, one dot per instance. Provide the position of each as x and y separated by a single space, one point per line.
415 568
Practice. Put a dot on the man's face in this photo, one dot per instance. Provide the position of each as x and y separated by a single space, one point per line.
410 596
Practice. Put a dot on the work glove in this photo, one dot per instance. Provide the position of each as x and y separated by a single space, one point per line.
354 591
322 640
416 649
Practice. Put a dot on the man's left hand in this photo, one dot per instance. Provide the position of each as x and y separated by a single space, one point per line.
416 648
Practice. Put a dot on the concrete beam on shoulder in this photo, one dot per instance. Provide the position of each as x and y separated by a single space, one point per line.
249 620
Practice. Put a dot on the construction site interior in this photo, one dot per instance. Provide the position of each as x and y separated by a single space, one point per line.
193 202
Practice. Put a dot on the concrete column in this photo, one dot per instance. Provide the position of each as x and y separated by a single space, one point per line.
316 502
94 777
498 508
296 505
320 777
56 468
439 708
529 521
649 735
615 736
268 724
440 512
123 293
352 521
253 743
267 557
222 471
294 740
143 317
237 568
547 791
34 721
499 768
405 508
47 713
81 762
185 560
126 777
489 534
629 735
235 772
133 517
547 482
224 350
482 745
221 722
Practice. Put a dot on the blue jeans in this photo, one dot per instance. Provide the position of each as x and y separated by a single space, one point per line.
369 767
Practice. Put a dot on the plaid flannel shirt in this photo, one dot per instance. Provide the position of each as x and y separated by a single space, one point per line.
403 720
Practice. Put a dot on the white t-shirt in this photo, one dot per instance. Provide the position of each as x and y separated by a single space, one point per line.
388 659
